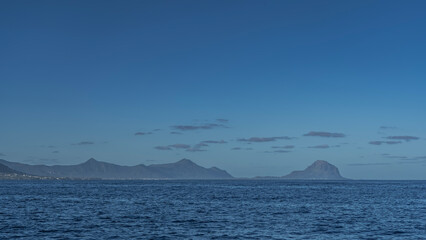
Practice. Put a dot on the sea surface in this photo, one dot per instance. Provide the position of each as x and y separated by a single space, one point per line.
217 209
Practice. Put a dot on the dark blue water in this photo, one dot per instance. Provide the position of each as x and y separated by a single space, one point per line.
235 209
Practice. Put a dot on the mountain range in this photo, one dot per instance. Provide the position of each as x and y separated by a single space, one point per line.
183 169
93 169
8 173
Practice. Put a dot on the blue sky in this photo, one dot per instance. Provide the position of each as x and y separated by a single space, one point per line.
79 79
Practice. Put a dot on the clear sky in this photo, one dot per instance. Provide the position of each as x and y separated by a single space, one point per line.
271 85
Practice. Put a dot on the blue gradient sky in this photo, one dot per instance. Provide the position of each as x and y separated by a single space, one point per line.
80 78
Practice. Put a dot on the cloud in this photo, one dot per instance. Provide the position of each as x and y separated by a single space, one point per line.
201 144
175 133
387 155
239 148
180 146
198 127
222 120
405 158
263 139
323 146
2 155
411 162
388 128
142 133
163 148
197 147
368 164
405 138
195 150
84 143
214 142
156 130
419 159
284 147
278 151
55 152
48 146
384 142
324 134
173 146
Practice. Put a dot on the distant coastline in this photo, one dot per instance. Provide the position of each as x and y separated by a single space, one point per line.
184 169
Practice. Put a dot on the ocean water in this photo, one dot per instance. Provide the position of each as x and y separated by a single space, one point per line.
220 209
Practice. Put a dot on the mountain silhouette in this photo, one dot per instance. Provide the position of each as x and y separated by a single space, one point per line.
8 173
7 170
183 169
319 170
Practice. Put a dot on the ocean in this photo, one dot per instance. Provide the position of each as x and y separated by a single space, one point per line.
216 209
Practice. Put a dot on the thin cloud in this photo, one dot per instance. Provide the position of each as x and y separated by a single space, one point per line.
281 151
378 143
201 144
284 147
2 155
82 143
405 158
324 134
388 128
214 142
263 139
180 146
195 150
278 151
198 127
55 152
323 146
163 148
175 133
368 164
173 146
142 133
411 162
48 146
222 120
404 138
198 147
394 157
240 148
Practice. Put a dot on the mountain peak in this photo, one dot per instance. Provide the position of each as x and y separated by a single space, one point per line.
185 161
320 169
321 164
92 160
318 162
